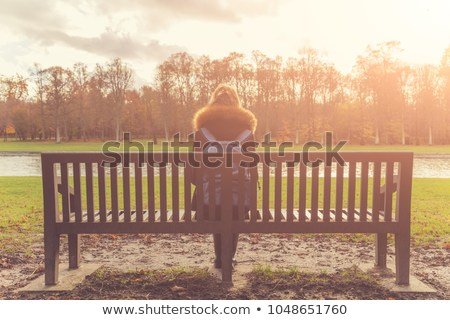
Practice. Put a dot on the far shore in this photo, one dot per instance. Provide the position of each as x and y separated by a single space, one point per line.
43 146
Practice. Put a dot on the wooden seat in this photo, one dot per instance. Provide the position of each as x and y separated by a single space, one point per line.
338 198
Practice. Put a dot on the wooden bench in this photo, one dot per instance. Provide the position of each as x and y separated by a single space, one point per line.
370 193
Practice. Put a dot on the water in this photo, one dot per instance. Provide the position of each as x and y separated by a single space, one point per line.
29 164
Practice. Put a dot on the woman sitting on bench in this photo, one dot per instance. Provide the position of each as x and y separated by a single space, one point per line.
221 121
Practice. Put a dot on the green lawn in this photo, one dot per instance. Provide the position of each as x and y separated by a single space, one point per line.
21 211
30 146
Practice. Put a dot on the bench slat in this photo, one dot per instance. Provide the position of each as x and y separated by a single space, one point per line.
290 193
89 192
65 192
199 197
351 191
265 192
151 193
376 191
254 194
315 193
187 193
364 190
114 195
77 192
327 193
339 191
126 193
278 184
389 191
163 192
175 193
102 192
138 191
302 192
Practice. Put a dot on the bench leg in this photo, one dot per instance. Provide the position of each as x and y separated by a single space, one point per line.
74 251
51 253
402 245
380 250
227 257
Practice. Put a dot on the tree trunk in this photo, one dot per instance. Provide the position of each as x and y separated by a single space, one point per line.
43 125
166 132
430 136
58 136
66 132
117 129
403 134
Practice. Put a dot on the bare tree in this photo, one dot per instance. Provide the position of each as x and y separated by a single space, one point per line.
164 83
379 74
425 99
80 85
118 78
149 97
39 78
311 74
58 89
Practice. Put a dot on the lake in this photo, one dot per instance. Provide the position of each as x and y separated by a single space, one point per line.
29 164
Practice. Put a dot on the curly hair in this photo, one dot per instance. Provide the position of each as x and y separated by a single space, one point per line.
225 95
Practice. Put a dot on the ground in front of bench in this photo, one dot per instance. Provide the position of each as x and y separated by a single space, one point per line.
164 252
69 279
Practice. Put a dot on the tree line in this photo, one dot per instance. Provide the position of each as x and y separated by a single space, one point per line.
381 101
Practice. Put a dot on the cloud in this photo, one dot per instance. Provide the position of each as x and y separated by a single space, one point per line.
47 23
33 12
165 11
108 44
124 28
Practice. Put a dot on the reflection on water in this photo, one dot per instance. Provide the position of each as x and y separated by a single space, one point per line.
29 164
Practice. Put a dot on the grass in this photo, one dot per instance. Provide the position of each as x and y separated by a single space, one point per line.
39 146
21 211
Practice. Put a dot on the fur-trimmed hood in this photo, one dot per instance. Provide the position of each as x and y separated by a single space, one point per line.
209 115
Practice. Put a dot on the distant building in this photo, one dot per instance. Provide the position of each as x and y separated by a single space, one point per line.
8 131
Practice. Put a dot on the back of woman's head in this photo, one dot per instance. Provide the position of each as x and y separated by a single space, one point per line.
225 95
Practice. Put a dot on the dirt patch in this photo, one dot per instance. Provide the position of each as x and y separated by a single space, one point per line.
324 257
173 283
348 283
197 283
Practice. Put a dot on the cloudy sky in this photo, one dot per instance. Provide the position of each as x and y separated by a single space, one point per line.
144 32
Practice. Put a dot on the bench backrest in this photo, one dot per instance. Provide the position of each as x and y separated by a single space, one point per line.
370 186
